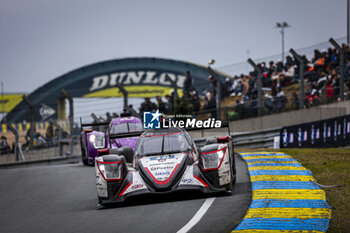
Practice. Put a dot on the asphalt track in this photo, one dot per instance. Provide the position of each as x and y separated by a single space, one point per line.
62 198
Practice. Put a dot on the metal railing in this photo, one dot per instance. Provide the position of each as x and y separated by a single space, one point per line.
250 140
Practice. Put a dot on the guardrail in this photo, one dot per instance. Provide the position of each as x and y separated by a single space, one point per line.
250 140
255 139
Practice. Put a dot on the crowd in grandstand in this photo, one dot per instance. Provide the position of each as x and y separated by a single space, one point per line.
321 74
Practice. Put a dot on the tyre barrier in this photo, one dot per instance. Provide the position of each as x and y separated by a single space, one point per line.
283 197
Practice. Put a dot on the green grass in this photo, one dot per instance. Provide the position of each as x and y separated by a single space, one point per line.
329 167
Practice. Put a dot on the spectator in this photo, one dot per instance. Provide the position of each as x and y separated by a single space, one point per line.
211 105
160 104
239 88
329 93
49 131
295 100
132 110
4 146
279 66
289 75
50 134
289 61
108 117
195 102
227 87
27 137
245 85
193 91
169 105
212 87
147 106
125 113
347 69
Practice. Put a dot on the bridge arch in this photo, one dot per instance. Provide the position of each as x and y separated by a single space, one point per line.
142 77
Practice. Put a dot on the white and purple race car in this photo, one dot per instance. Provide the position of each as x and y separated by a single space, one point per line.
164 161
92 140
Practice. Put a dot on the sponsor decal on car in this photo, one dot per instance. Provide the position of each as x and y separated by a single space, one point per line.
161 167
162 173
138 186
162 158
187 181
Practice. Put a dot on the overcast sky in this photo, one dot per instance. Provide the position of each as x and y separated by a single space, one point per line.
43 39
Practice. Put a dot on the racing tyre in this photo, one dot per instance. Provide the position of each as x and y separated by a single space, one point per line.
85 161
126 151
100 199
230 186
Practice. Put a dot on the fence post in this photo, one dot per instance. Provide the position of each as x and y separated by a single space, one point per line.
341 50
218 92
173 84
31 117
301 76
126 98
125 94
60 150
17 148
71 117
226 115
257 69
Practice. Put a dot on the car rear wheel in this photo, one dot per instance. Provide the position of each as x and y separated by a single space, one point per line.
230 186
85 161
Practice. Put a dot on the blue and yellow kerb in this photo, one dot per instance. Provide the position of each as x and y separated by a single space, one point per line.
283 197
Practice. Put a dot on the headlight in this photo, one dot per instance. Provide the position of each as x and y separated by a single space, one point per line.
98 141
110 171
212 160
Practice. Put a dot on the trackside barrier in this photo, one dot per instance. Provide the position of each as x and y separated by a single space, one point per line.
255 139
332 132
250 140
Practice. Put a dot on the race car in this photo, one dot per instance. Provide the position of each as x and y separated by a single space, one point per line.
91 140
164 161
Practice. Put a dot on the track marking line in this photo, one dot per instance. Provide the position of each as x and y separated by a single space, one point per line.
197 217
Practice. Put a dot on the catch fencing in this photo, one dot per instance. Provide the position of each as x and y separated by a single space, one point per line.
44 146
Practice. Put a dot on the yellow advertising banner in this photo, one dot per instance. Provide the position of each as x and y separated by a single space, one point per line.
10 101
134 91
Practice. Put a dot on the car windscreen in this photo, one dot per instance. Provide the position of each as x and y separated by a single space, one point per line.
126 128
162 144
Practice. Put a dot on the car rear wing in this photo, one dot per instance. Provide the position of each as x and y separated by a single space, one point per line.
85 125
110 136
126 135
